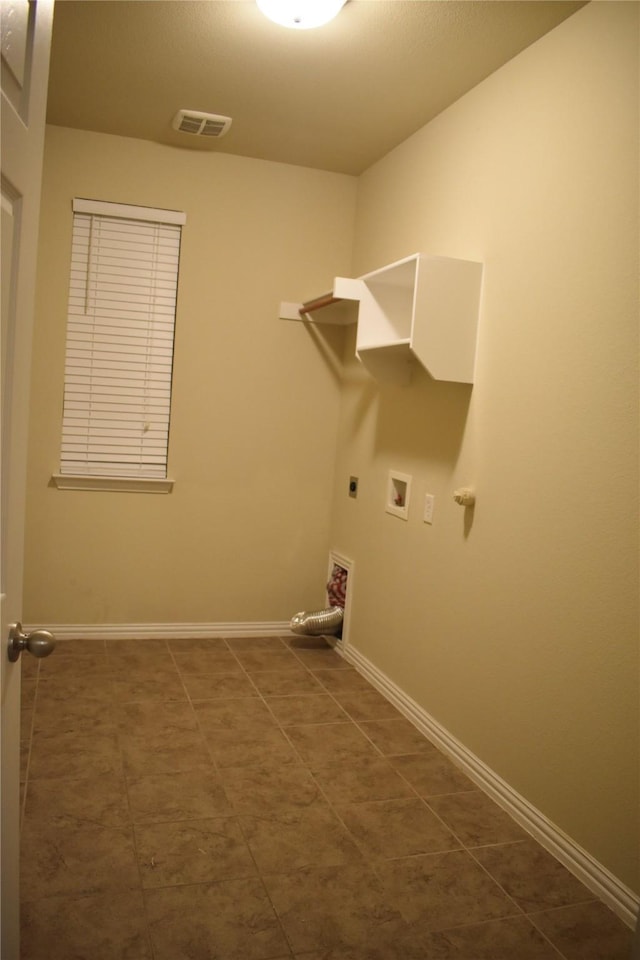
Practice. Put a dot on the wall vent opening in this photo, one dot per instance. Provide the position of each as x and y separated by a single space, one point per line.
201 124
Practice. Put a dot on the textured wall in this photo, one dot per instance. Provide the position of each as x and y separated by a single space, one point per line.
244 535
517 627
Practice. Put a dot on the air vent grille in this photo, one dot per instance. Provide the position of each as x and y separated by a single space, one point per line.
189 125
201 124
213 128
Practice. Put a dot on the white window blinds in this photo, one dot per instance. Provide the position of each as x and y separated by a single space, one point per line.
120 329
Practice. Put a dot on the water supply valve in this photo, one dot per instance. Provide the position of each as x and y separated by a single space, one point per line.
465 496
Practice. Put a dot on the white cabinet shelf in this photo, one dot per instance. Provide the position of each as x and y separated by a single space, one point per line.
424 307
421 307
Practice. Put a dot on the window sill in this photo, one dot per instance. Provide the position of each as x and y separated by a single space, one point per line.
114 484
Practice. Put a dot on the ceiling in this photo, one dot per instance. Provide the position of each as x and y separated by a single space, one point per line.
337 98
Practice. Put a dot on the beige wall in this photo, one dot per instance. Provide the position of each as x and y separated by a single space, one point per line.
517 629
244 535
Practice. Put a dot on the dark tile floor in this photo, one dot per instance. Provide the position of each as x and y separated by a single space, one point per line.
257 799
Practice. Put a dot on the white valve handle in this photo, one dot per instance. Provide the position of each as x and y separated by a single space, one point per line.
465 496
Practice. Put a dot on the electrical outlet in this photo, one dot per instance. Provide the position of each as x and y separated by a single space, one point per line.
429 500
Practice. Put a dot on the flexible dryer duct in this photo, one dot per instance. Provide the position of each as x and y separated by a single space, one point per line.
327 622
318 622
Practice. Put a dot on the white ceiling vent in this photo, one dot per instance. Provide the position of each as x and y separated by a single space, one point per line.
201 124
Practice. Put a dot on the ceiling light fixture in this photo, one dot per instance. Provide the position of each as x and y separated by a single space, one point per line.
300 14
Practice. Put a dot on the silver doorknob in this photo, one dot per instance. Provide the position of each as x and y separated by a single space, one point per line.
40 643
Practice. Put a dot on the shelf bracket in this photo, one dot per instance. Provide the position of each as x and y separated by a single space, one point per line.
330 308
326 300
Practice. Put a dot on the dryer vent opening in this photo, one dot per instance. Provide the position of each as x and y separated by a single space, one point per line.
201 124
328 622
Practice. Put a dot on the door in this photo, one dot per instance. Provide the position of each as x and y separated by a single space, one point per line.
25 42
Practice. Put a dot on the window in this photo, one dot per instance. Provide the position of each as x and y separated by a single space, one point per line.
119 356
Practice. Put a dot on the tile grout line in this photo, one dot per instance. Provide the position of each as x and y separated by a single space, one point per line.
307 767
220 775
115 708
370 860
23 802
367 859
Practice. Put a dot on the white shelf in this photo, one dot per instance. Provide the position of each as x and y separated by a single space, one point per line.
424 307
388 344
421 307
388 362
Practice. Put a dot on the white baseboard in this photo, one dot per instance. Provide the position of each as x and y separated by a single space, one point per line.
581 864
161 631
